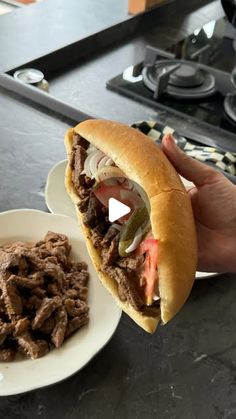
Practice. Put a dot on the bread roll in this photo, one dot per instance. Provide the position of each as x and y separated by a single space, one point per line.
171 216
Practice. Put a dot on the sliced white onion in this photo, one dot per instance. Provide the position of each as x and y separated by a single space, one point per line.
108 172
156 297
91 161
86 170
135 242
95 159
109 162
102 162
131 185
91 149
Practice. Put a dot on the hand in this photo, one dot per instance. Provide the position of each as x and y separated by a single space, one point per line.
214 206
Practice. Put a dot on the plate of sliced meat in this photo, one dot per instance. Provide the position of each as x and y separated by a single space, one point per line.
54 313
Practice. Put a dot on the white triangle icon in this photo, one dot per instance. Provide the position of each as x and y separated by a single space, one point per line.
116 209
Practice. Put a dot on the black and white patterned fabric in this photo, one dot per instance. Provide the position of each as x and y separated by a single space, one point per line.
223 160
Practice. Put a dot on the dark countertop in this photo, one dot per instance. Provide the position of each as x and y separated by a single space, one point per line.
187 369
22 32
29 25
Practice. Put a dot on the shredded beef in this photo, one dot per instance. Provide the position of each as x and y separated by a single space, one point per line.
8 260
7 355
82 293
39 292
122 292
83 204
127 284
78 279
51 269
57 239
152 310
58 333
48 326
109 236
21 326
5 330
132 263
75 308
25 282
45 310
96 237
88 182
76 323
94 211
34 348
80 155
53 289
83 192
72 293
12 299
110 254
32 303
2 305
78 266
36 280
78 140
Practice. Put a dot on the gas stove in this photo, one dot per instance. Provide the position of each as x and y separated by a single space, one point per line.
195 78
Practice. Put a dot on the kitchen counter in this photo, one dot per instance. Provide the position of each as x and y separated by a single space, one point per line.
187 369
22 33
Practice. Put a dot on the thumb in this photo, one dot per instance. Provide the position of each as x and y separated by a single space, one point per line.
186 166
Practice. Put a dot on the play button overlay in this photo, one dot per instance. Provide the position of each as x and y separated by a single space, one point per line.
116 209
124 203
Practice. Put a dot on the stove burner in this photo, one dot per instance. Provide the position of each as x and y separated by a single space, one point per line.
187 75
184 80
230 106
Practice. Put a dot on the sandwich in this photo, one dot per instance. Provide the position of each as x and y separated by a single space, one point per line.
147 258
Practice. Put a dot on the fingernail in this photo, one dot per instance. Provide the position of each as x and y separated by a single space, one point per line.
170 139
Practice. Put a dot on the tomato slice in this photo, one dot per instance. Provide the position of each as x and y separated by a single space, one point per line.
149 247
105 192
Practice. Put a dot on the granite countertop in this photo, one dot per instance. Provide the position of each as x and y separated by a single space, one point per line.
65 24
187 369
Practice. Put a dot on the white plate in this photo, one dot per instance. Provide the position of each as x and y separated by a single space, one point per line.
24 375
58 201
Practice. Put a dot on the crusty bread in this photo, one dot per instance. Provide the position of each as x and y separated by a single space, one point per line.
171 214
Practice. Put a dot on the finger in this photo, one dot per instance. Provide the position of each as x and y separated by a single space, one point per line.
186 166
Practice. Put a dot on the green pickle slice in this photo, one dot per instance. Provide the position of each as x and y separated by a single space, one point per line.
139 218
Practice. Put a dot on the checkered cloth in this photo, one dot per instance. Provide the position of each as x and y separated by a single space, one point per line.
223 160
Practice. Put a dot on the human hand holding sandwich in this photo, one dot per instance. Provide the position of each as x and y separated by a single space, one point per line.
214 205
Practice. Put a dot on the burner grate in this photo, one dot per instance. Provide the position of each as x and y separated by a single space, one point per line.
179 79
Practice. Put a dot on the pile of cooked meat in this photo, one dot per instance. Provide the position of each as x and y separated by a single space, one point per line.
43 296
105 237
